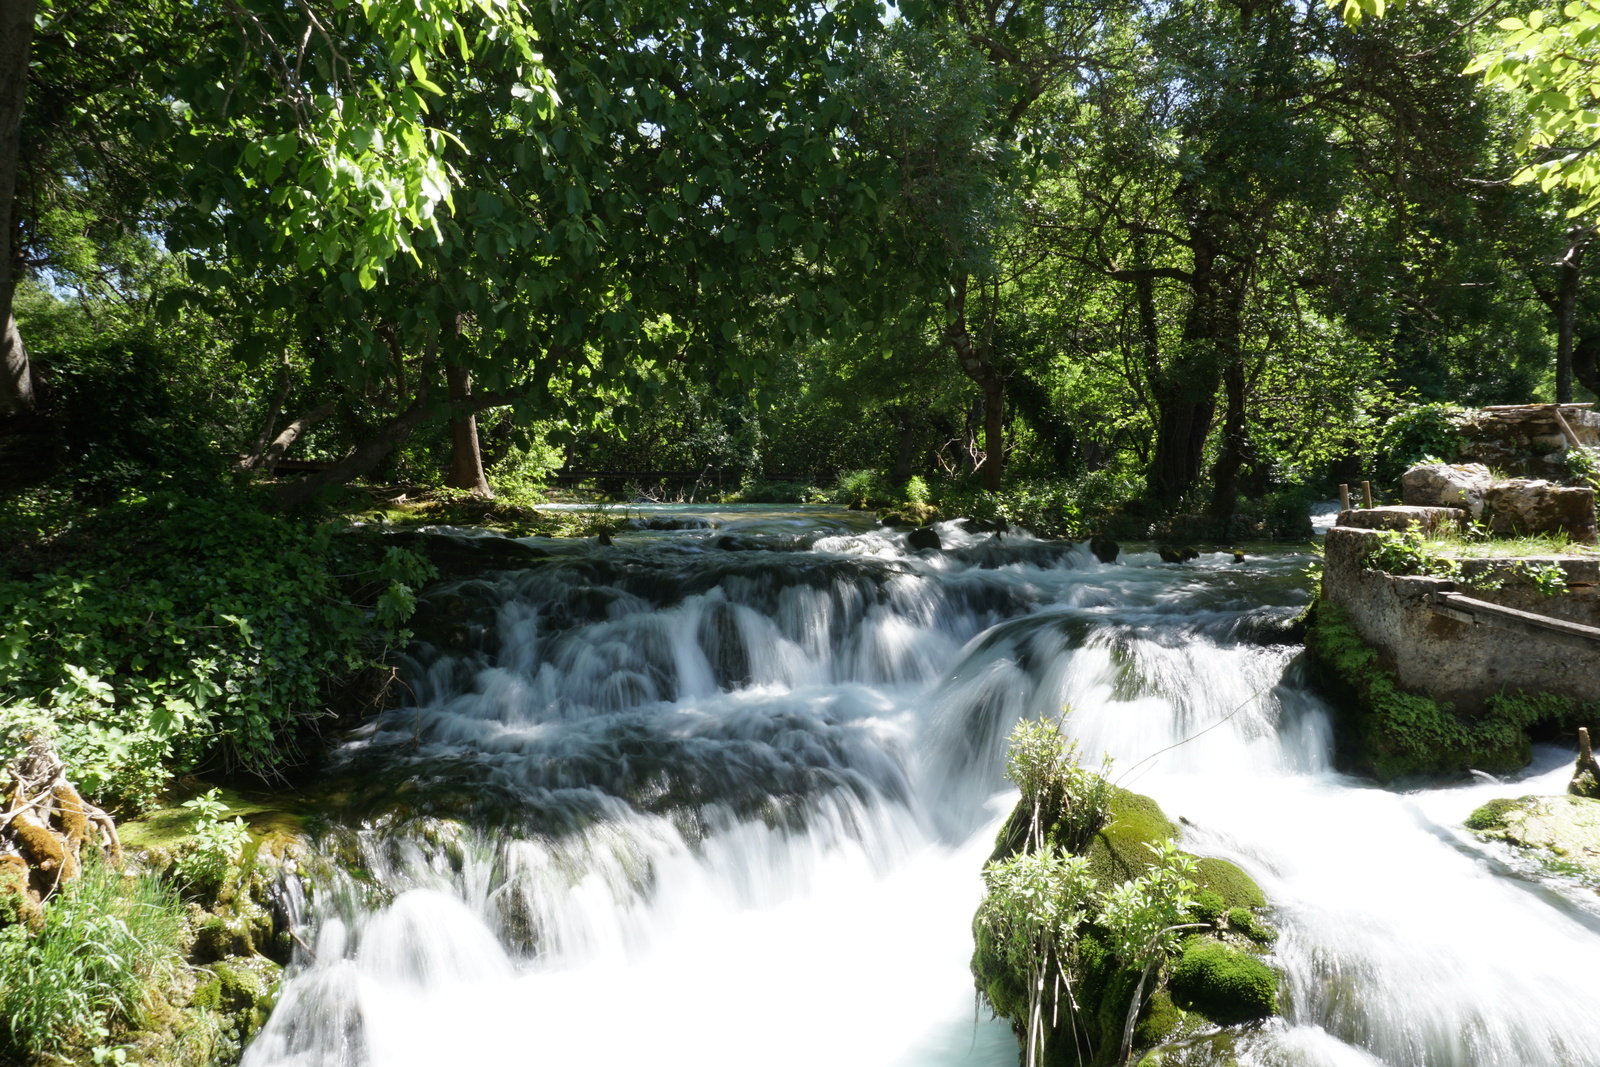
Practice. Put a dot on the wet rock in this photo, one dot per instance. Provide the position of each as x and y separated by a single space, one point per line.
1169 554
1104 548
1447 485
1238 556
603 539
909 515
669 522
1563 832
1402 517
1532 506
923 538
464 557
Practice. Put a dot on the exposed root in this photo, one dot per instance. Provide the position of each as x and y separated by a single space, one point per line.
43 828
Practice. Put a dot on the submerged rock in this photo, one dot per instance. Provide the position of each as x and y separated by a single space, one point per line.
923 538
1104 548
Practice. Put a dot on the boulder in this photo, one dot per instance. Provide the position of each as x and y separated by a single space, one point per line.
1446 485
1531 506
1401 517
923 538
1561 831
1104 548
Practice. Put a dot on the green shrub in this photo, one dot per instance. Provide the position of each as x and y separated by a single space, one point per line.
1415 434
106 939
196 631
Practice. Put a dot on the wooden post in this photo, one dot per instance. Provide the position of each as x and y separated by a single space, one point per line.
1366 494
1566 430
1344 497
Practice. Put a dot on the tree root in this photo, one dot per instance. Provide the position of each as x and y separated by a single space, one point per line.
43 828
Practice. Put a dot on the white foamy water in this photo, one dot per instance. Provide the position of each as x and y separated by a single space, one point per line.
679 804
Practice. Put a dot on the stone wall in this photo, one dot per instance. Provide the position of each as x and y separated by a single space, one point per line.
1462 662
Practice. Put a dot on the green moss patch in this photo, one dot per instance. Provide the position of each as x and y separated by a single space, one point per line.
1228 881
1492 816
1122 848
1223 983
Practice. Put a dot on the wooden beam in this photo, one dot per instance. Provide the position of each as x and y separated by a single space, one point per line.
1463 608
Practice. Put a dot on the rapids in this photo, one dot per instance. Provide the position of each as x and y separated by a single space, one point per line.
672 803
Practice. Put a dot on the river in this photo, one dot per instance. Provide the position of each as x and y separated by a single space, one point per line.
676 803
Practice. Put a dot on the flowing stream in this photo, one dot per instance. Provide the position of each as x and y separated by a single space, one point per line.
721 796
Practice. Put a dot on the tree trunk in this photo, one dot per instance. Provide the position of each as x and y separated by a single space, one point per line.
1225 475
291 433
16 42
907 452
466 457
975 364
1184 392
363 459
1567 317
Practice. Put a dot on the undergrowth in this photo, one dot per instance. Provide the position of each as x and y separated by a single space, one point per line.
106 939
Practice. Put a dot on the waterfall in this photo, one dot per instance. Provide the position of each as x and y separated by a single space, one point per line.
673 803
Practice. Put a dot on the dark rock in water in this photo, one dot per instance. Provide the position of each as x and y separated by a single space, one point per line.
1169 554
669 522
1190 552
604 540
1104 548
1238 555
924 538
462 557
1586 773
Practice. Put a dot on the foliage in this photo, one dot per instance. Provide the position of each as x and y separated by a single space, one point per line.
1554 59
1409 552
1583 467
217 843
200 630
1033 904
1144 916
106 939
1413 435
1065 795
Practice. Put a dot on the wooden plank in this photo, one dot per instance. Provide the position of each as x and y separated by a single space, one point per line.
1463 608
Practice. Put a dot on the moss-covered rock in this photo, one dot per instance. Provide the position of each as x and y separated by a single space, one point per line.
1225 984
1562 832
1387 732
1090 1030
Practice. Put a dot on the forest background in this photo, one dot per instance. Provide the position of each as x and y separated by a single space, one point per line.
1082 266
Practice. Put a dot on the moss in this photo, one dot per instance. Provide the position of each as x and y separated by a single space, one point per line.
1225 984
1228 881
1122 848
1387 732
1159 1020
1492 816
1250 925
1208 907
19 904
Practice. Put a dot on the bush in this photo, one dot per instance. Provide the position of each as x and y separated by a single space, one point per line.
195 631
1413 435
106 939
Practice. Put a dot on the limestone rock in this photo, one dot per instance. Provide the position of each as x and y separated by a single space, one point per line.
1531 505
1447 485
1564 829
1402 517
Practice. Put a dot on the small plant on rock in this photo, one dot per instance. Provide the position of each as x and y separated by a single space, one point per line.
218 843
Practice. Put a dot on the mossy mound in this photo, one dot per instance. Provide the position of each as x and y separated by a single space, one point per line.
1389 733
1221 991
1225 984
1492 816
1124 846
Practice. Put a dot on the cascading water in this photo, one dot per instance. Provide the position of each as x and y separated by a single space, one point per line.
666 802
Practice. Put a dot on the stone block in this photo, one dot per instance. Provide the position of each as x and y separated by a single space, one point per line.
1447 485
1533 506
1401 517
